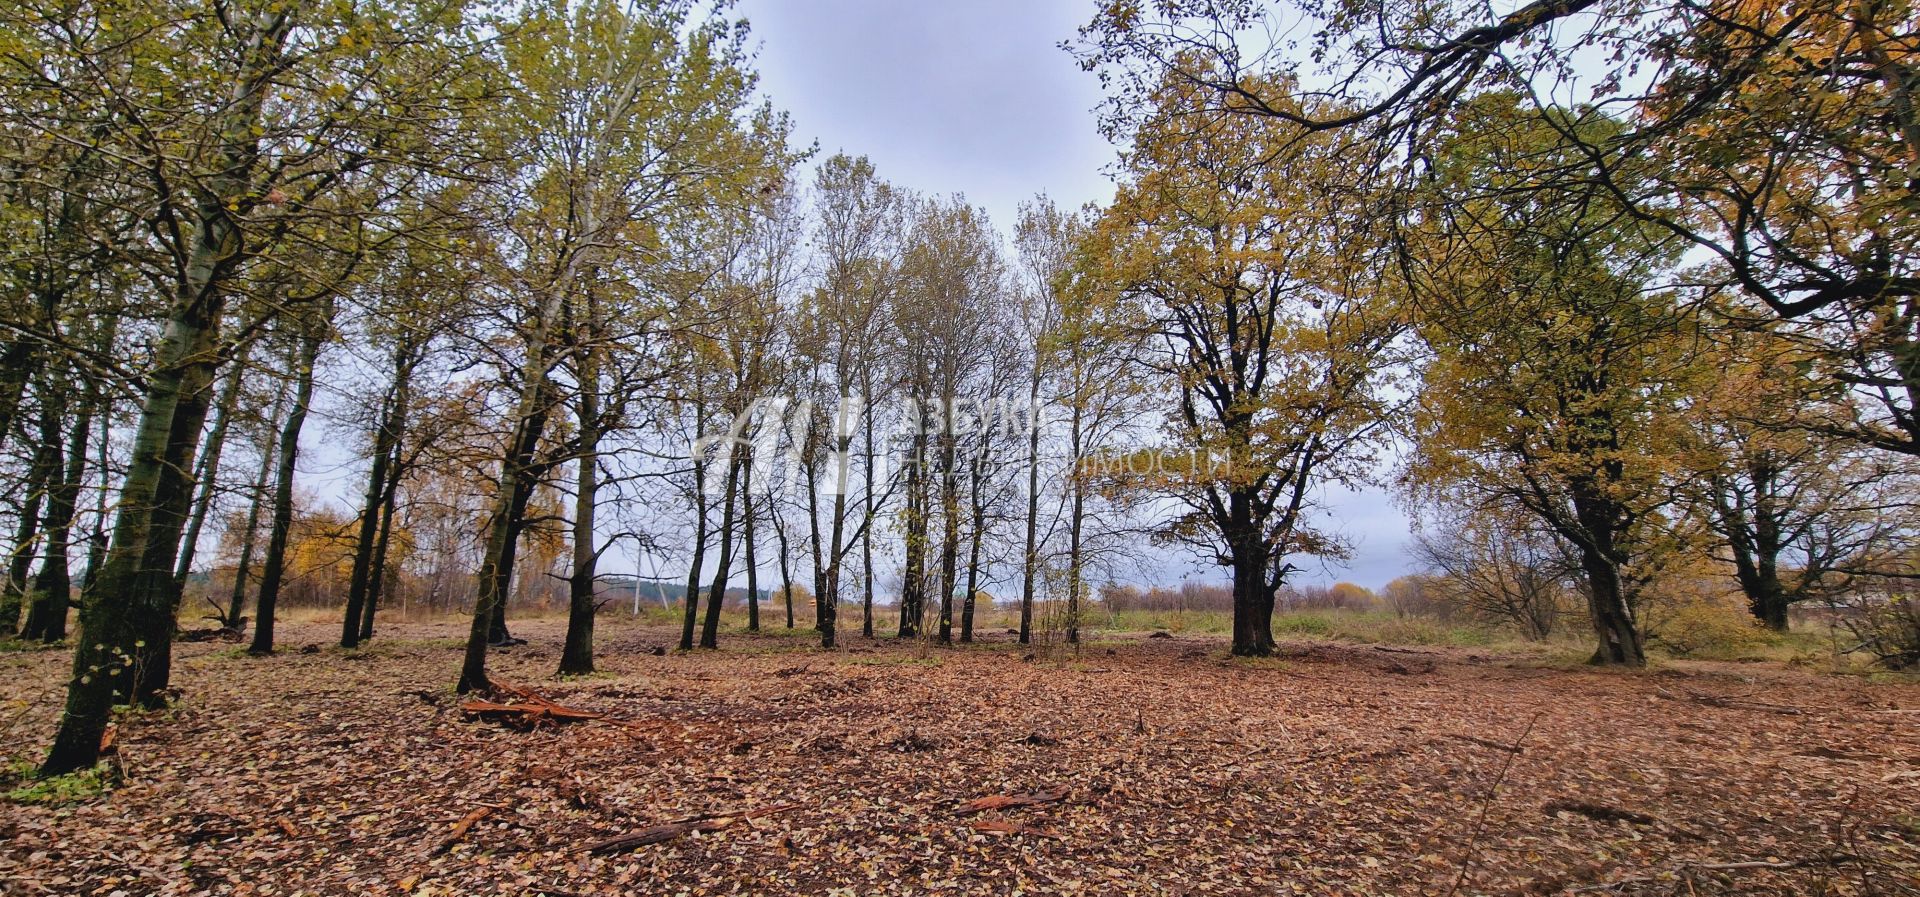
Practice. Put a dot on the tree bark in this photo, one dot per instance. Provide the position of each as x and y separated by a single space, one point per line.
42 474
913 581
273 567
1620 641
867 505
517 479
209 474
251 535
786 569
576 656
717 595
362 576
1251 558
1077 514
690 601
977 503
53 587
123 590
747 537
950 520
1030 560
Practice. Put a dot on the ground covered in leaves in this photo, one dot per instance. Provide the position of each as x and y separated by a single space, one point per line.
1177 770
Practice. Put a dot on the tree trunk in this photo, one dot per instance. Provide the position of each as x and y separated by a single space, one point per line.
950 520
53 587
383 580
514 488
1077 516
1620 642
123 590
209 473
1030 561
1752 530
1252 605
1250 557
717 595
16 368
576 657
867 508
815 544
42 474
361 577
273 567
913 581
786 570
251 535
690 602
974 537
753 564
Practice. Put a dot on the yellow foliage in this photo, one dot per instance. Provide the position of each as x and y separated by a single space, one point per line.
1708 626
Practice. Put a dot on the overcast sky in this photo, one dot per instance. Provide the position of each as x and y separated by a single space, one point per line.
978 98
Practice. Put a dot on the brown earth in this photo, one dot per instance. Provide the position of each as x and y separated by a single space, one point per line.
1334 769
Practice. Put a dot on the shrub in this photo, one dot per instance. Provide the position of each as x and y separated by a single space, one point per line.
1890 632
1707 628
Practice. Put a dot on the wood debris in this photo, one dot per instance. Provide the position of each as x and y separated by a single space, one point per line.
460 830
667 831
532 710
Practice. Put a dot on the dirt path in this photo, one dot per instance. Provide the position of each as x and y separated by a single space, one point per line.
1337 769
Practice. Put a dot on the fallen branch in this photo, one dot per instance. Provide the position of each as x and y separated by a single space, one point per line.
1486 803
533 710
1005 801
667 831
527 715
460 830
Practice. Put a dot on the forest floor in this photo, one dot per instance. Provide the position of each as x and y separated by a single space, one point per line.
1332 769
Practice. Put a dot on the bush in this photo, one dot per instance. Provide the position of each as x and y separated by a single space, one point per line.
1890 632
1708 628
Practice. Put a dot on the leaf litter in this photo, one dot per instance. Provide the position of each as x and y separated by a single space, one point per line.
1162 773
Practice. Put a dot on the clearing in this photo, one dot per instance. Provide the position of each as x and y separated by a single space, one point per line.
1332 769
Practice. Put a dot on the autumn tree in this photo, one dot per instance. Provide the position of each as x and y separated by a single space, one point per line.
620 114
1255 268
1796 513
1775 140
303 105
1556 374
841 335
952 293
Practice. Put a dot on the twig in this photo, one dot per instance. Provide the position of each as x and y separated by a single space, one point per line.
668 831
460 829
1486 804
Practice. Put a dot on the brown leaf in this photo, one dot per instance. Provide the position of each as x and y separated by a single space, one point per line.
1003 801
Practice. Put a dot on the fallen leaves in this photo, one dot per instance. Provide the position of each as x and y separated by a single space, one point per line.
308 774
1005 801
1002 827
711 822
